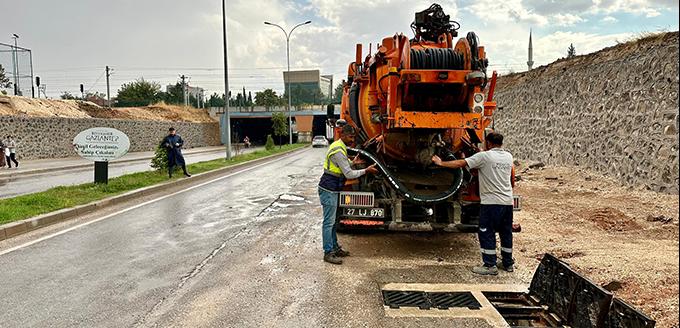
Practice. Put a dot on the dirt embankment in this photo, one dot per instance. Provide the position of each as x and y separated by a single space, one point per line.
21 106
619 237
631 48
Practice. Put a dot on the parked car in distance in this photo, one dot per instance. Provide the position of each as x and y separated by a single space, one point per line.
319 141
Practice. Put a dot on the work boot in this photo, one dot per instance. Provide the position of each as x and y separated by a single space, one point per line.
187 175
331 258
485 270
339 252
509 268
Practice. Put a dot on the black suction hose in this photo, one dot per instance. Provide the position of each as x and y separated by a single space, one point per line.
405 192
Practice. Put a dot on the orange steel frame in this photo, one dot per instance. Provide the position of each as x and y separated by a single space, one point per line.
389 70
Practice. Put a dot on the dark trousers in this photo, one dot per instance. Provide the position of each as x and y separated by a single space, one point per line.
495 219
12 158
171 168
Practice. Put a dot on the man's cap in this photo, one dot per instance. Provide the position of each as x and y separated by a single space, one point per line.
171 129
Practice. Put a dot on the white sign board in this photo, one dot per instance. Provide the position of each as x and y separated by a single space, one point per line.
101 144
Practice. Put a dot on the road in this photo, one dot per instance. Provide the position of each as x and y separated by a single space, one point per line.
26 184
241 251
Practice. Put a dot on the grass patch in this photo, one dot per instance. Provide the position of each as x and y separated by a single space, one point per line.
30 205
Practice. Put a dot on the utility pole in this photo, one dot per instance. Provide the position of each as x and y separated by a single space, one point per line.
37 83
15 59
184 89
108 87
227 119
287 34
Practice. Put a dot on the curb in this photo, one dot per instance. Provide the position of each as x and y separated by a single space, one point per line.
15 174
17 228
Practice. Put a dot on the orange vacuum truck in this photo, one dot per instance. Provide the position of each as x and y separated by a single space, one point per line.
412 99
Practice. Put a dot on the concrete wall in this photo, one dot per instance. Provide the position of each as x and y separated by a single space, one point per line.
615 112
51 137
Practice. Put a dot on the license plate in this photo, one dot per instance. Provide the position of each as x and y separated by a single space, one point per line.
364 212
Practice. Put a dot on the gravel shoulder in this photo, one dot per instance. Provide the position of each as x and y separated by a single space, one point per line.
616 236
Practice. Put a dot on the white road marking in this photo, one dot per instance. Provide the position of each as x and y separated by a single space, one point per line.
9 250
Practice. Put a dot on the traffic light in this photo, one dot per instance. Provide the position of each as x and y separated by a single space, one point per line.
82 89
37 80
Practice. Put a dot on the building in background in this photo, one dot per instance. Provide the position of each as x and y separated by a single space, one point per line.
197 93
307 83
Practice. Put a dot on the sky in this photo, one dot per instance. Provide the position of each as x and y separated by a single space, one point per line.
73 40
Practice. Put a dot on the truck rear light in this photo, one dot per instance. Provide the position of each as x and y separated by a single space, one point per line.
356 199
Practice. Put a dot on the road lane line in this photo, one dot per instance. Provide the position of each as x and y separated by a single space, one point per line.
12 249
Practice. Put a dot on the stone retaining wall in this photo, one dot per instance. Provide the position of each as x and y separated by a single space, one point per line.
52 137
615 112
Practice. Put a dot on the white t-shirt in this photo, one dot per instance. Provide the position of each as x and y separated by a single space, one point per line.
495 169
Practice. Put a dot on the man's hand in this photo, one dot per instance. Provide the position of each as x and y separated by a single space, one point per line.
436 160
372 169
177 144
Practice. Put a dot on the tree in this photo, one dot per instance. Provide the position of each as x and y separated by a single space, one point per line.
305 96
279 125
337 93
4 80
174 94
216 100
270 143
67 96
571 51
139 93
267 98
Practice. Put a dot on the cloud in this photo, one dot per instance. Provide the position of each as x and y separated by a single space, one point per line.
566 19
131 37
609 19
554 46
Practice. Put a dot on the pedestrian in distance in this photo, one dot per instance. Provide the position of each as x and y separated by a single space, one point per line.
2 154
496 180
336 169
173 143
246 142
11 152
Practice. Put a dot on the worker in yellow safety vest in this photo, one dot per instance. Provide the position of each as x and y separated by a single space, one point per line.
336 169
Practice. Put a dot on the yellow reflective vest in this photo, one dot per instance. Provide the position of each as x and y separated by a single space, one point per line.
330 167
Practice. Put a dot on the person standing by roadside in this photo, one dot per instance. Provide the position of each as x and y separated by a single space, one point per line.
10 152
2 154
496 180
336 169
173 143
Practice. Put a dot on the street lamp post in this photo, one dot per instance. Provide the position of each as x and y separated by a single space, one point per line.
288 34
227 119
15 69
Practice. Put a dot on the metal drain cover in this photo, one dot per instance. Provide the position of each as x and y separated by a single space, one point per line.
427 300
454 299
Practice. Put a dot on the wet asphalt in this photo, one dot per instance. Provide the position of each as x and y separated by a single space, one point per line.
243 251
26 184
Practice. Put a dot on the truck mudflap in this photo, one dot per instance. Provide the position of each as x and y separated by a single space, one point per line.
560 297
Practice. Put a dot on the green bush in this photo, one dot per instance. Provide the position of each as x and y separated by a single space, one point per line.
160 159
270 143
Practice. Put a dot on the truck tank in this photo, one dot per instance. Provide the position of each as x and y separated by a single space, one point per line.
412 99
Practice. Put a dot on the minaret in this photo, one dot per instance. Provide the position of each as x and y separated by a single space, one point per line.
530 62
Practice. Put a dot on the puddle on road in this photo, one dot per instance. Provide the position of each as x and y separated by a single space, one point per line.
284 201
291 197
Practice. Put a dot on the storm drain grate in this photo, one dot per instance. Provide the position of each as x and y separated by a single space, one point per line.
426 300
454 299
397 298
